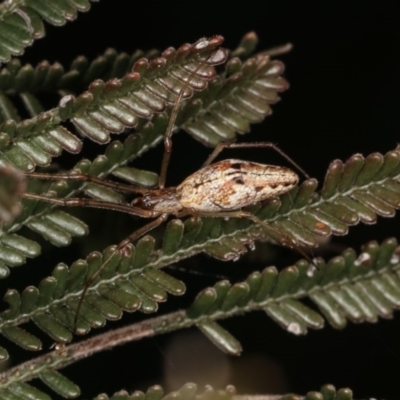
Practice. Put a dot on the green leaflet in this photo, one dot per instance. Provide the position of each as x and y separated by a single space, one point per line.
358 288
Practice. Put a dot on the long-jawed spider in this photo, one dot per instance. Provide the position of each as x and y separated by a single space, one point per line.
219 190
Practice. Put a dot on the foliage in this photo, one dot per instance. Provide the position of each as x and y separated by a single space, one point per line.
134 96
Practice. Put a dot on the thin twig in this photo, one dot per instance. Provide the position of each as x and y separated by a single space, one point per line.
65 355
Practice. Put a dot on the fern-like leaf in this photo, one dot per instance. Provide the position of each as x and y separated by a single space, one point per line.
111 106
228 106
21 22
53 305
16 77
29 81
119 104
359 288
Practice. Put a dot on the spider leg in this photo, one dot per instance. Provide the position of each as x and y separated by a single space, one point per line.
171 122
222 146
83 202
119 187
123 248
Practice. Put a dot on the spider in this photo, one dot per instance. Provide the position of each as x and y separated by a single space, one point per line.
220 189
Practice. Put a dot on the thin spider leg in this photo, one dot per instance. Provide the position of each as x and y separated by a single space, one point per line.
122 247
273 146
168 135
83 202
143 230
120 187
170 127
272 232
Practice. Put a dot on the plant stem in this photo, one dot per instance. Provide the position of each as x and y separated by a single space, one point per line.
64 355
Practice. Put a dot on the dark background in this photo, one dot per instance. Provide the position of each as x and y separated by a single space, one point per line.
343 99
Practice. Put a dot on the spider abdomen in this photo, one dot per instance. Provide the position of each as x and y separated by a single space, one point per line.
233 184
